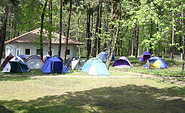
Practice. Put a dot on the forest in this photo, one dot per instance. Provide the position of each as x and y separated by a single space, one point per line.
120 27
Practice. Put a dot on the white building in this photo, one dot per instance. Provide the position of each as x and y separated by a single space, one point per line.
27 44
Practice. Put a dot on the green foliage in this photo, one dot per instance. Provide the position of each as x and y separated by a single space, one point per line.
133 13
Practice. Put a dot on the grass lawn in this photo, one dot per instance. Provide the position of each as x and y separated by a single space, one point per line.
54 94
35 92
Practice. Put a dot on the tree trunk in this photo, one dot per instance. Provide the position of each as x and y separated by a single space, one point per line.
15 29
78 36
41 29
50 28
182 35
4 20
60 31
99 39
94 51
133 42
88 32
106 28
172 37
151 35
68 28
112 41
137 39
118 42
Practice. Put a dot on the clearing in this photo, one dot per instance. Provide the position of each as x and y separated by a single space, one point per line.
76 93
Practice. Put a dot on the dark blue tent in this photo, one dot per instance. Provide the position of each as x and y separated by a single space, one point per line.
145 56
58 57
53 65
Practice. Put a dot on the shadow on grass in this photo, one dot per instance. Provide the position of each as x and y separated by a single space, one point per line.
24 76
5 110
14 78
31 72
125 99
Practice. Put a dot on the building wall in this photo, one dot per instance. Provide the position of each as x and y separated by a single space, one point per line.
17 48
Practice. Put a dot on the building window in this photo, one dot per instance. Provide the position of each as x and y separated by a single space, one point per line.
37 51
68 52
27 51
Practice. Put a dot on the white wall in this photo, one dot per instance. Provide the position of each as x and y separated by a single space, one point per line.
21 47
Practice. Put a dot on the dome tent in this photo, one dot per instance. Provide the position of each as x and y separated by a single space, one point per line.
34 62
74 63
95 66
53 65
122 62
7 59
16 65
145 56
155 62
104 56
46 57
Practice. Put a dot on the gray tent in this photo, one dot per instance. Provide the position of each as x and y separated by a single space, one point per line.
34 63
74 63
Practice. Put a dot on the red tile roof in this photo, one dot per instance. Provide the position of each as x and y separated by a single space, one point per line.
34 35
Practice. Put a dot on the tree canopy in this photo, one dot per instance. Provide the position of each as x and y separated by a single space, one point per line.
121 27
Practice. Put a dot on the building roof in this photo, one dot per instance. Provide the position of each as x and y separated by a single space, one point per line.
33 36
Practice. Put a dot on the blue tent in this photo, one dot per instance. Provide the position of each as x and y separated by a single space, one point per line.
145 56
54 65
95 66
22 56
155 62
104 56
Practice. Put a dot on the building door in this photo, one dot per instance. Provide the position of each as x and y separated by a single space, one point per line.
17 52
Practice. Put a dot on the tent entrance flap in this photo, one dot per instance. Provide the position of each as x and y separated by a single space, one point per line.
57 66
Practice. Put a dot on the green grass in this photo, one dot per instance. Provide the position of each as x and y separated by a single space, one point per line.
87 95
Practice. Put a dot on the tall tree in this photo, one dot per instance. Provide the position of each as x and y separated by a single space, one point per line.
113 34
88 31
100 25
182 35
94 50
50 28
172 36
151 36
41 29
60 31
68 29
4 20
3 29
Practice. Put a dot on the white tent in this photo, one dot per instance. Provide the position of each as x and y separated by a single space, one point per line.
35 63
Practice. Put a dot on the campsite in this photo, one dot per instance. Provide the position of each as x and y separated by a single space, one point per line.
124 90
92 56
